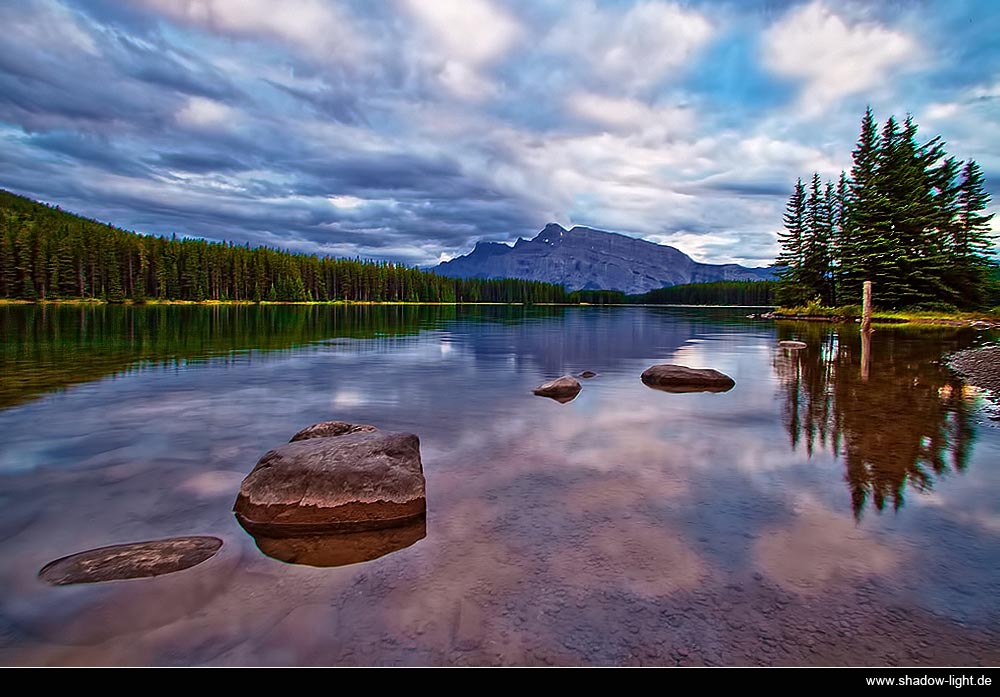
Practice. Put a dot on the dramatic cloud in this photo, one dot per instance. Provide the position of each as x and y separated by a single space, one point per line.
408 130
634 48
832 56
463 37
320 28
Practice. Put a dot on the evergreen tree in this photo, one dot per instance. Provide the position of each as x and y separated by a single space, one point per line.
906 219
972 243
794 289
863 211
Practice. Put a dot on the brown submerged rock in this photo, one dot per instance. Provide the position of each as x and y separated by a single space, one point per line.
588 374
561 389
344 548
358 481
330 429
133 560
678 378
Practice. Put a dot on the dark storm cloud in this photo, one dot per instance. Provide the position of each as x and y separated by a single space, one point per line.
150 64
93 149
92 80
200 162
745 188
339 105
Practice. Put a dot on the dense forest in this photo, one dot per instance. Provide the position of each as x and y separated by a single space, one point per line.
760 293
908 217
717 293
46 254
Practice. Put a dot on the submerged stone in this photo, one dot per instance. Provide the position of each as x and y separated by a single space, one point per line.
562 389
588 374
358 481
678 378
793 344
133 560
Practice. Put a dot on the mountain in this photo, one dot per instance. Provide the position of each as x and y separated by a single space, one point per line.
584 258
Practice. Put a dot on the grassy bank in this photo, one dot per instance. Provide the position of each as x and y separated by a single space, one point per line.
850 313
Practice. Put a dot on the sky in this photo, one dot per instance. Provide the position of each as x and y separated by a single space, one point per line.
407 130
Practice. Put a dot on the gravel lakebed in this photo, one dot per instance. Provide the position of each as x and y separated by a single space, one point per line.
980 367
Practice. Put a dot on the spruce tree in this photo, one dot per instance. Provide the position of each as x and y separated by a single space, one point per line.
793 289
972 243
816 245
863 211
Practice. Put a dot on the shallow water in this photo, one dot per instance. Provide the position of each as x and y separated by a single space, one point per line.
808 516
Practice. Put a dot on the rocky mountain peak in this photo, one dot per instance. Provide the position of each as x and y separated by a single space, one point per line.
585 258
550 234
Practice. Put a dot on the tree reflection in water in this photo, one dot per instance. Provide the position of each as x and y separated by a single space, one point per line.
908 423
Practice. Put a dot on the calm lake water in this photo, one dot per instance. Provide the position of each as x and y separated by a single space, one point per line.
808 516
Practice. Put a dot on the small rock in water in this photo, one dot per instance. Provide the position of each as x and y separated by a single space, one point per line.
588 374
678 378
562 389
793 344
133 560
330 429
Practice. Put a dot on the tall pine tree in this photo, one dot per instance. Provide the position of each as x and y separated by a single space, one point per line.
909 218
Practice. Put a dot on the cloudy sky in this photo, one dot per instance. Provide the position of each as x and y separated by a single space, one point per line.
409 129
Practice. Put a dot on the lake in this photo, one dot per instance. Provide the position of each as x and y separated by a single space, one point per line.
809 516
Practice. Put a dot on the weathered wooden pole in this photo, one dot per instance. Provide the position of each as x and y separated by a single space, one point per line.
866 309
866 333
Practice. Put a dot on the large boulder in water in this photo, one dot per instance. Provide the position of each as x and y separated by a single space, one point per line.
678 378
366 480
562 389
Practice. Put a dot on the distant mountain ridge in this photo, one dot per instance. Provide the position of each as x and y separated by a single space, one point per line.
583 258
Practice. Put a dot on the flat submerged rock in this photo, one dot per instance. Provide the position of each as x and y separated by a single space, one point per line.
678 378
129 561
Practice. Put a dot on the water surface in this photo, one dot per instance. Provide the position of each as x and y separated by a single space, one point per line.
808 516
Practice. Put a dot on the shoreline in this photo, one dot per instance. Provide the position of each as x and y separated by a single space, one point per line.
980 366
973 320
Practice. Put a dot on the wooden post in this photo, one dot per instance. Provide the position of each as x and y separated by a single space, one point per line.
866 311
866 333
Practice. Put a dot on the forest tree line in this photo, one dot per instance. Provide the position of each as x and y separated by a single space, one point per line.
759 293
908 217
49 254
